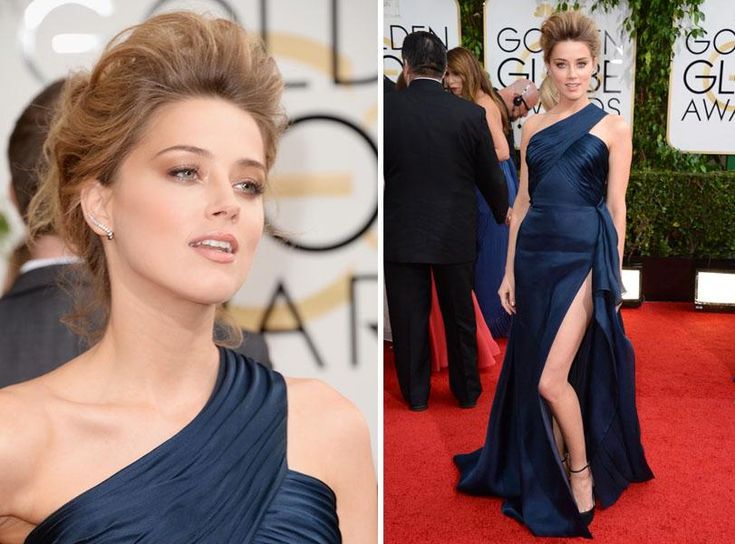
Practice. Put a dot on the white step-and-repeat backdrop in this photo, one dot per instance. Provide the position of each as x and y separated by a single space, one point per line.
702 84
315 299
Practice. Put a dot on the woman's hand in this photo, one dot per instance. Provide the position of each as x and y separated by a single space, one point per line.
507 293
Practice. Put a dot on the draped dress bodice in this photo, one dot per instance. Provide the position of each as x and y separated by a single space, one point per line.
568 165
567 184
566 235
222 479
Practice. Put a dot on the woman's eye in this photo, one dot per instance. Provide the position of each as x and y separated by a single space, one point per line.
249 186
185 173
560 65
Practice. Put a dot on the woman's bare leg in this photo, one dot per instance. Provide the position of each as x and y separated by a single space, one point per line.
554 386
559 441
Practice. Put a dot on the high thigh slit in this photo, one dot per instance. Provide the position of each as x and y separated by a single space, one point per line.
567 234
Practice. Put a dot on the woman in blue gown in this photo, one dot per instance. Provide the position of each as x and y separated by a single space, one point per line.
466 78
563 429
158 160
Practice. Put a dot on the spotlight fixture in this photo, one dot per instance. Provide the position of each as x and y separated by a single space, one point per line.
632 296
714 290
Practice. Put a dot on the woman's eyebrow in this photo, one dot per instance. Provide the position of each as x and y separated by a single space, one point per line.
209 155
190 148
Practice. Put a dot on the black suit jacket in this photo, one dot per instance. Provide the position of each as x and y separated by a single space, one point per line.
32 339
438 148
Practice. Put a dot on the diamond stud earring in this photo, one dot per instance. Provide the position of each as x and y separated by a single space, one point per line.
107 230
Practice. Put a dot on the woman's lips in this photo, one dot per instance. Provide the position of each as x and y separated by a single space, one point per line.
216 246
216 255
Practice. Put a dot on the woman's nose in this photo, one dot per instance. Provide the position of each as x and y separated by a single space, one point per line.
222 200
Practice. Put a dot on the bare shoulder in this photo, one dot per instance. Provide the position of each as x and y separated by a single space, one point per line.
327 435
329 439
488 103
618 136
321 408
24 430
617 127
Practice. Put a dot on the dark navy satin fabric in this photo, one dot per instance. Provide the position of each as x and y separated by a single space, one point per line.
492 248
566 234
222 479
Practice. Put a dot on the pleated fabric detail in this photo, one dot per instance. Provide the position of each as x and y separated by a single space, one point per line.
215 481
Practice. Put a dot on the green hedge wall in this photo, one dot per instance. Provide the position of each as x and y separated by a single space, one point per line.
681 214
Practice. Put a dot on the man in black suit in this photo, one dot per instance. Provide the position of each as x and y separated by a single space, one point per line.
33 340
438 148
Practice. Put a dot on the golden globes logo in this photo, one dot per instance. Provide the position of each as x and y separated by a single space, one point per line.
711 76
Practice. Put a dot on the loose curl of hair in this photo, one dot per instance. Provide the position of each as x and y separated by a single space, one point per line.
103 114
572 26
462 62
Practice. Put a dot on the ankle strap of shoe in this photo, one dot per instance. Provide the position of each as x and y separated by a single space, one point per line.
580 470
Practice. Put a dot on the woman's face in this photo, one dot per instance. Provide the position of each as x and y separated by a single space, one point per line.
571 66
186 206
453 82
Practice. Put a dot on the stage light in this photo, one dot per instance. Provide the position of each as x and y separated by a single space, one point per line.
632 296
714 290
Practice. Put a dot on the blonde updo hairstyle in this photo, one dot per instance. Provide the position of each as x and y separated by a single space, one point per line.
571 26
104 113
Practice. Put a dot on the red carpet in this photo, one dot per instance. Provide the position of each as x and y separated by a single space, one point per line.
685 363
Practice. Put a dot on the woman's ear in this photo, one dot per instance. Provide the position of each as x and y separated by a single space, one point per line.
95 202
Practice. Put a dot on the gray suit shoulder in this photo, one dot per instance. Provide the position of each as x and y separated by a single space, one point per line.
255 347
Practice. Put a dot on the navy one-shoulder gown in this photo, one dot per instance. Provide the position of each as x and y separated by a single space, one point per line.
566 234
223 479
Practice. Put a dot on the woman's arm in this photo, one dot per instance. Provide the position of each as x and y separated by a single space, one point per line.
621 152
495 122
520 207
329 439
353 475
